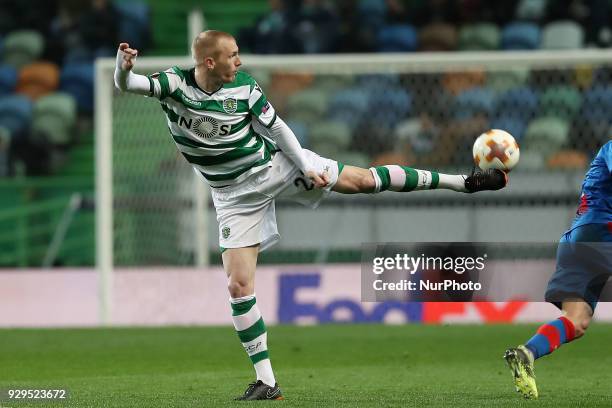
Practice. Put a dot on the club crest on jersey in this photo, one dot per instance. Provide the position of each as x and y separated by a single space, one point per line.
230 105
225 232
206 127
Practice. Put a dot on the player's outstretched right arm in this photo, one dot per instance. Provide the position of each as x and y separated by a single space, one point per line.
125 79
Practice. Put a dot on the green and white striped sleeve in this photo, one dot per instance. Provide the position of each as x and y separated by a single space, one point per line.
163 83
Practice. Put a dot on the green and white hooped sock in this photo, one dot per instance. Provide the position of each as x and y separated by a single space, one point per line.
401 178
252 333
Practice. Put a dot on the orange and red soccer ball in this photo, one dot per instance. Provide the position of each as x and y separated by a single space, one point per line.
496 149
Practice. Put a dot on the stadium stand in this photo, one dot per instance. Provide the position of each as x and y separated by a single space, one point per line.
397 38
8 79
38 79
331 137
54 119
520 36
479 37
22 47
438 37
351 105
134 23
46 78
15 113
77 80
531 10
562 35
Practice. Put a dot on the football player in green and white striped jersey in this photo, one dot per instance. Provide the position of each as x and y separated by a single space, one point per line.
215 130
223 124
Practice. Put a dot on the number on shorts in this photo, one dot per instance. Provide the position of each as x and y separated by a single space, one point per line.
302 181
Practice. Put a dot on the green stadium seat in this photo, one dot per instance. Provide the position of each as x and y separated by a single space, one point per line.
560 101
479 37
531 160
334 83
22 47
54 117
545 135
329 138
562 35
307 106
330 131
501 81
60 104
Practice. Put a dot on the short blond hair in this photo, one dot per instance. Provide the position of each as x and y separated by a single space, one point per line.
206 45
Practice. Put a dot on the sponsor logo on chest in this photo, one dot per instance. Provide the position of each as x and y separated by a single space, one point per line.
205 127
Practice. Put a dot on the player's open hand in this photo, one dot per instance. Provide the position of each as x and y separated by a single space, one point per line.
318 180
129 56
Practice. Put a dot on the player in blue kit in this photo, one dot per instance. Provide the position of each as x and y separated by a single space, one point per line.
584 264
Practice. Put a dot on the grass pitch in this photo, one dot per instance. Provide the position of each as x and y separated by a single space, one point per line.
331 365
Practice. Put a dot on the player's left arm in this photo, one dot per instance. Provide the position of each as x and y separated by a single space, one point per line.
284 137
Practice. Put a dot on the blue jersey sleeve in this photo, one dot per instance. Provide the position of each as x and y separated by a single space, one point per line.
606 151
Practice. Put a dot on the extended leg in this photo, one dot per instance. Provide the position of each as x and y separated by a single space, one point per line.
354 180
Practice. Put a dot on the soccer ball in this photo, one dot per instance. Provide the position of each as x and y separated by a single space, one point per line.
496 149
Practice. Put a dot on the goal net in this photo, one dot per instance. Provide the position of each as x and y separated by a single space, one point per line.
422 110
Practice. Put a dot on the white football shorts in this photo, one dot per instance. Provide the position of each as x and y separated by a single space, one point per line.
245 211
